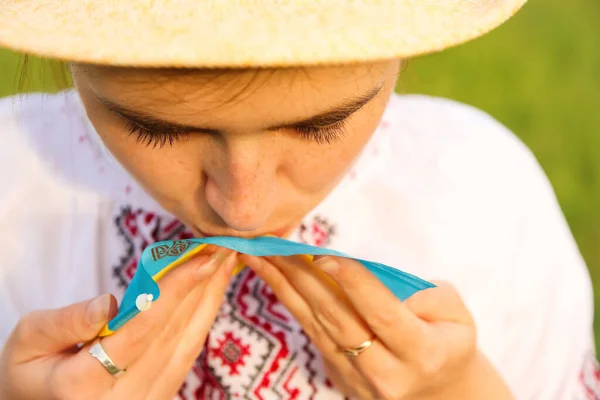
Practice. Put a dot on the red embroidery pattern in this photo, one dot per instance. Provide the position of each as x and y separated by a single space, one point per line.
317 232
139 229
232 351
255 349
590 378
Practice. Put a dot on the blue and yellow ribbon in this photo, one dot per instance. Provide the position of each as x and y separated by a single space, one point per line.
158 259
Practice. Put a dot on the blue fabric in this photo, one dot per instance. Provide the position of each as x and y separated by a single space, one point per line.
160 255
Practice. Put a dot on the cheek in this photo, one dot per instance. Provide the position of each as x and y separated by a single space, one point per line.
318 168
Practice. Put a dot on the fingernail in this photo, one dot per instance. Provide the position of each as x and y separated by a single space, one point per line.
256 263
327 264
97 310
207 268
230 263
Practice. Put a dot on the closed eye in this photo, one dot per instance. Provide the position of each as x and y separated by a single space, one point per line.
320 134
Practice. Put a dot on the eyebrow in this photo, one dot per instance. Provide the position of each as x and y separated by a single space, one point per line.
330 117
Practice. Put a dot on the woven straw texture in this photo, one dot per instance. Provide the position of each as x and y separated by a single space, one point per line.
243 33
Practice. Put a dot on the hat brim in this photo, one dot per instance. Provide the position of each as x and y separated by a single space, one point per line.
243 33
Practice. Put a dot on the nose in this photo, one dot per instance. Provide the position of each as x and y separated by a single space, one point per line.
242 186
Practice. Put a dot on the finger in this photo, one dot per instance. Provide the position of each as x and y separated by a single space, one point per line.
450 322
391 320
292 301
155 374
52 331
204 315
347 379
191 342
328 303
130 342
369 376
182 317
329 311
441 303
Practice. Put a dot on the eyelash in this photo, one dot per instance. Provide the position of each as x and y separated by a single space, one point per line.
154 139
322 135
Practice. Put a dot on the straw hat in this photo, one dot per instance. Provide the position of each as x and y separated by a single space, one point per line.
243 33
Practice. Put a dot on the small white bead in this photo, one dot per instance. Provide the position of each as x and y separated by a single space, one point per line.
144 301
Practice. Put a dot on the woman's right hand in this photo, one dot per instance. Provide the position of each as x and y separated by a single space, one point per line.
41 358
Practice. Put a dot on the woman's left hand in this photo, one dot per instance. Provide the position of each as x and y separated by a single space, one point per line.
423 348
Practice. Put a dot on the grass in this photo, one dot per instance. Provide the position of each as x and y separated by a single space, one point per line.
539 74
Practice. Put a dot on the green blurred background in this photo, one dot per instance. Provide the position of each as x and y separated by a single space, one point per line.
539 74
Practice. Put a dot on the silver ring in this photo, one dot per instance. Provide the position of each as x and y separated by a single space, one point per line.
97 351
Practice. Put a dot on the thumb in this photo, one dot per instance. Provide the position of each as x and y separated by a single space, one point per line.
439 304
53 331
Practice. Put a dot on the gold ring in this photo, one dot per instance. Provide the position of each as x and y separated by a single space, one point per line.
353 352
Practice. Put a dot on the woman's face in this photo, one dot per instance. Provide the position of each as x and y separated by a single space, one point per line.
239 153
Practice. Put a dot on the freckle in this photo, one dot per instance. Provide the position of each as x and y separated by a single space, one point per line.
81 139
352 175
101 170
385 124
127 189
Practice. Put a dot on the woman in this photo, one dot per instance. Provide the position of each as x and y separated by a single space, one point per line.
230 118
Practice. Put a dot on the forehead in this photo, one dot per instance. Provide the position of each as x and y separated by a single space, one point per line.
231 92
